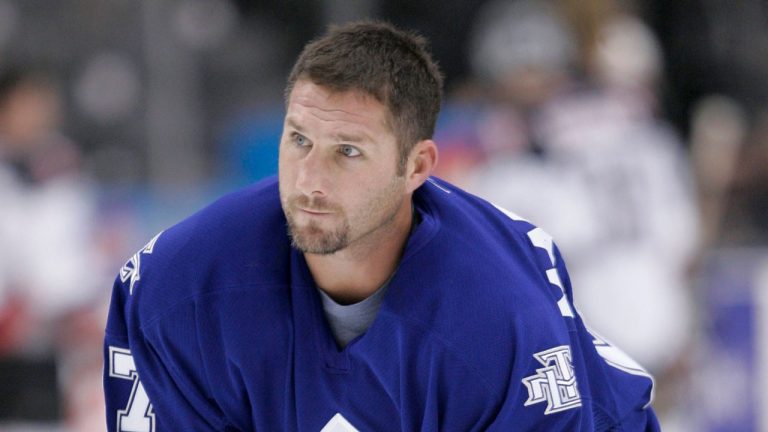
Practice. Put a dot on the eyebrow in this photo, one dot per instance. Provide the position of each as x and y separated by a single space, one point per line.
341 137
352 138
290 122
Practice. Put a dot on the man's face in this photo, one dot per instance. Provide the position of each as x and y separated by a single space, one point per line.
338 169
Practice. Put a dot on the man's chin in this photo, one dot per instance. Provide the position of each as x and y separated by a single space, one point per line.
317 248
317 242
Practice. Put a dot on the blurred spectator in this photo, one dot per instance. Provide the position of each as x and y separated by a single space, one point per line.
589 162
730 152
747 211
718 131
49 271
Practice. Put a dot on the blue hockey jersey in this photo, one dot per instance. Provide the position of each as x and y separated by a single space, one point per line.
217 325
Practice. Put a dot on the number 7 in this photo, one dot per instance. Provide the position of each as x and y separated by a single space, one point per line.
137 415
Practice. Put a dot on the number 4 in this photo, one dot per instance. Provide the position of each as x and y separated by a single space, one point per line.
137 415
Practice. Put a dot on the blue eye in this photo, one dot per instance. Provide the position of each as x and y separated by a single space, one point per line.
349 151
300 140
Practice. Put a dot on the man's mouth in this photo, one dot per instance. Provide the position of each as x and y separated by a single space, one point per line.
315 212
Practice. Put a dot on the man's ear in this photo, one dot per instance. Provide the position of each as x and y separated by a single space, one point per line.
421 163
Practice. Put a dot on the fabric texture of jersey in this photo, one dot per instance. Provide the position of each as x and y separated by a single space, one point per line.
217 325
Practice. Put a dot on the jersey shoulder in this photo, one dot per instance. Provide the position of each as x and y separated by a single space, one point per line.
238 240
505 305
488 244
484 278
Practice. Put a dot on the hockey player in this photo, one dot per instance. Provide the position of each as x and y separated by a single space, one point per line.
356 292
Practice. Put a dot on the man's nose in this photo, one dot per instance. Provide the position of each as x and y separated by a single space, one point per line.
313 174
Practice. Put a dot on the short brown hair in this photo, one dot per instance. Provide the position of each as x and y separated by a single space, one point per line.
389 64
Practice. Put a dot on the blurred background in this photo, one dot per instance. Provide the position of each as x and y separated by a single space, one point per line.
635 132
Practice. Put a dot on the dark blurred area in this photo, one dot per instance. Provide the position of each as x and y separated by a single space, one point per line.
635 132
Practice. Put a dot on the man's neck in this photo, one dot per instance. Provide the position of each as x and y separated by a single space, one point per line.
356 272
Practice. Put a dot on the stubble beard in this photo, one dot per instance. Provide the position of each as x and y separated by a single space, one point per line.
313 239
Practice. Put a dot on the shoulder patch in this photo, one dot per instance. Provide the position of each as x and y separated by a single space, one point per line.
555 383
131 270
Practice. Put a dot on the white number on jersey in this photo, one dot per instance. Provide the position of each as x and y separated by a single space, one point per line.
612 355
137 415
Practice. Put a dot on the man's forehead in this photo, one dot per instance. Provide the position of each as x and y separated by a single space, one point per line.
304 89
353 104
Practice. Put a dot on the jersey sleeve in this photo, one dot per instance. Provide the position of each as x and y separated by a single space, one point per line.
154 379
620 389
563 377
126 399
